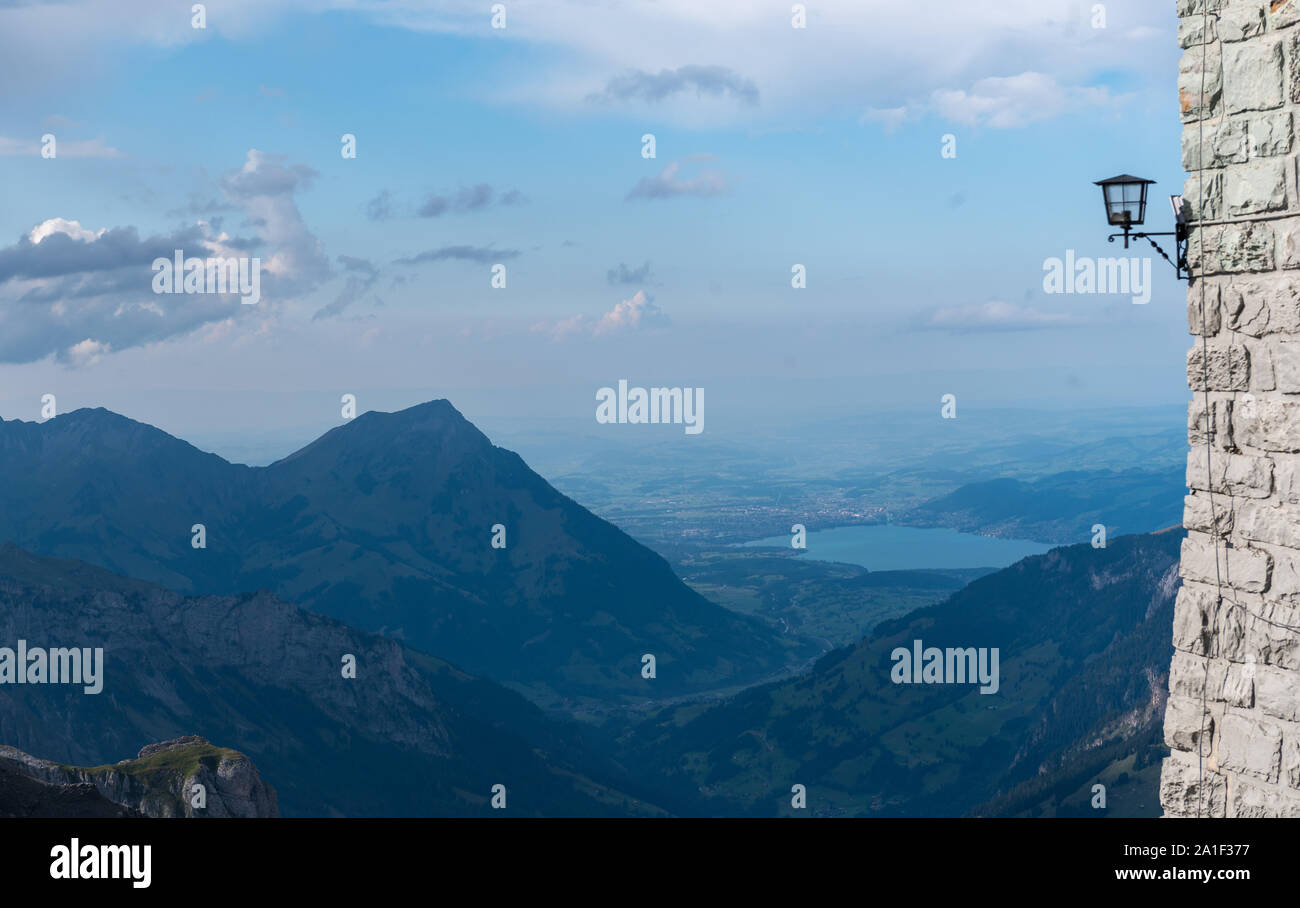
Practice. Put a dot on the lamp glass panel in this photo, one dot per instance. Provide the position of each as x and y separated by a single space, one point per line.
1126 203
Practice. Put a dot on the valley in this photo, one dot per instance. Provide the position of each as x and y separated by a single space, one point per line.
510 625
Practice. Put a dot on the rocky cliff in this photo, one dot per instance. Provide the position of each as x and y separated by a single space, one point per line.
185 777
23 796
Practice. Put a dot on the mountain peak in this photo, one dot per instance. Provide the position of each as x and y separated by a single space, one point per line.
437 405
439 408
100 418
89 429
434 426
433 415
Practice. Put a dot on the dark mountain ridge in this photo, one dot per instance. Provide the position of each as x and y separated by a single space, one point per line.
1084 637
409 735
385 523
1060 508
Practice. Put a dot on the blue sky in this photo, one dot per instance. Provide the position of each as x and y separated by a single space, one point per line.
775 146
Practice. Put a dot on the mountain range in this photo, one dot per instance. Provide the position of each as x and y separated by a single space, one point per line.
1060 508
409 735
1084 636
386 523
349 625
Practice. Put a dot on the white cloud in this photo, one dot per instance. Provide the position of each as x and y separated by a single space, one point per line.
566 327
874 54
1004 102
632 313
86 293
265 187
637 313
880 54
62 225
995 315
86 353
89 148
668 184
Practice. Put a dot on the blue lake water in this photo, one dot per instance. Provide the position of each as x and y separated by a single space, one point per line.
895 548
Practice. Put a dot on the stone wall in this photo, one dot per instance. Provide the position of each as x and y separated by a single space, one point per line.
1233 720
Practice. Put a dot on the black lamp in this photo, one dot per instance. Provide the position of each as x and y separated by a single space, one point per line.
1126 206
1126 200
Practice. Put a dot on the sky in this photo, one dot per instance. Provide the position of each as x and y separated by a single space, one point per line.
523 146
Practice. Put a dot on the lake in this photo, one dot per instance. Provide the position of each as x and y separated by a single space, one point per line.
886 547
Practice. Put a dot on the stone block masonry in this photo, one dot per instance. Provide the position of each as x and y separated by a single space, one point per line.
1233 720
